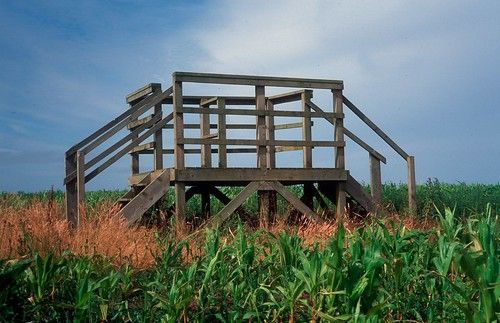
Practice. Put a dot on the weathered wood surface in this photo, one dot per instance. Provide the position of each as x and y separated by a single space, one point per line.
375 128
151 193
258 80
259 112
357 192
139 94
375 180
257 174
254 142
221 127
412 185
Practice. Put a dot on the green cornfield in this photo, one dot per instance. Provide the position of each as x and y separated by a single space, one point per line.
383 270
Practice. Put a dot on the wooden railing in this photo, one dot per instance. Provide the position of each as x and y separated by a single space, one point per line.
76 166
79 170
375 160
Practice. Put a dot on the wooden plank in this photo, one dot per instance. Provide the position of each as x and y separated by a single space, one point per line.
292 125
252 112
138 94
262 155
412 185
375 179
126 149
132 136
213 151
214 126
260 99
119 122
134 124
253 142
339 152
71 199
139 148
258 80
375 128
205 150
153 192
270 127
200 100
357 192
294 201
364 145
280 149
158 138
307 198
221 127
256 174
179 161
229 209
288 97
349 134
80 183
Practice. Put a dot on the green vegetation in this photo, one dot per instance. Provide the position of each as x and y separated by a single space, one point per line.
382 271
379 272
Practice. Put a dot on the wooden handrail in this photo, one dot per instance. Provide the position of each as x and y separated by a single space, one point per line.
251 112
112 127
128 147
348 133
375 128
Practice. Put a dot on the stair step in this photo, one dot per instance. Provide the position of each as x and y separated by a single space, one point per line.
139 185
124 200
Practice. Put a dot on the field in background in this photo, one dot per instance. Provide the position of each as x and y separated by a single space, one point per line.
438 265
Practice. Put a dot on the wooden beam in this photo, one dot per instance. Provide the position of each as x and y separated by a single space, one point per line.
214 126
257 80
71 197
252 112
134 124
253 142
375 128
213 151
204 100
139 94
307 150
294 201
221 122
180 198
339 151
80 183
412 185
364 145
158 138
206 156
375 180
256 174
139 148
229 209
288 97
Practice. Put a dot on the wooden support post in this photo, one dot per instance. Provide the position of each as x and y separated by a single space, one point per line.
80 183
271 160
412 185
263 200
180 193
339 151
375 180
206 159
71 192
221 127
158 139
307 198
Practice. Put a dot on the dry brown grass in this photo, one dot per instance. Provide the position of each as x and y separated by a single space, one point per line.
41 227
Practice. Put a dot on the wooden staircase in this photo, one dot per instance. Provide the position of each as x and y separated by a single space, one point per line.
145 190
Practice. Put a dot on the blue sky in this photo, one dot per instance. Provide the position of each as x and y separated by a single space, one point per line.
427 72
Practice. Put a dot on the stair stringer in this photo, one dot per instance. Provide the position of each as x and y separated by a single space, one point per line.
356 191
140 203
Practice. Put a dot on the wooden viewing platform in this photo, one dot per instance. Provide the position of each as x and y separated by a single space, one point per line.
155 114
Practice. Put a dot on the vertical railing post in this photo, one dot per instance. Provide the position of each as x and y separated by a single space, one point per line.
80 183
206 158
339 151
263 200
71 197
221 128
134 157
375 180
180 187
412 185
307 150
158 137
271 158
